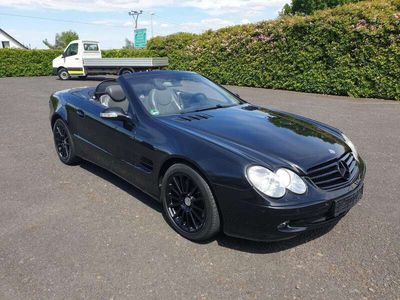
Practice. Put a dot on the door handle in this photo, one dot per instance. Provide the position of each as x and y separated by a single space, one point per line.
76 58
80 113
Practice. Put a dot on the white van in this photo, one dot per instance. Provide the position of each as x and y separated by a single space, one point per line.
82 58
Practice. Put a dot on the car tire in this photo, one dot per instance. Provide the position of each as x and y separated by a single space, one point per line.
64 144
63 74
188 204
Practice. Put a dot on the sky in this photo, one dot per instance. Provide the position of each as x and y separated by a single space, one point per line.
108 21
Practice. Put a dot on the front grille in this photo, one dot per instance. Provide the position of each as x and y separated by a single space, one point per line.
335 173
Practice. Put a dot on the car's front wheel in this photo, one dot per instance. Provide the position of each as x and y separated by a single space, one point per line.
188 203
64 144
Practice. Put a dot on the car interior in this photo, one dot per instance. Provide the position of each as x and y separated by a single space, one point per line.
158 96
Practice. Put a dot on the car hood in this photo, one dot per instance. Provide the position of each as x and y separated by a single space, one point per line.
270 136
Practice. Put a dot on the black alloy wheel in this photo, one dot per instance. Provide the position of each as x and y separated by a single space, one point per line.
185 203
189 204
63 143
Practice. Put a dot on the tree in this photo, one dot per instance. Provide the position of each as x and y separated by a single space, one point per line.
307 7
62 39
128 44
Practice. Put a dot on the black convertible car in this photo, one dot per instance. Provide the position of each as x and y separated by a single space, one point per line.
214 161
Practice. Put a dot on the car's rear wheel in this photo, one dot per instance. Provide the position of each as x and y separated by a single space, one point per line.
188 203
63 74
64 144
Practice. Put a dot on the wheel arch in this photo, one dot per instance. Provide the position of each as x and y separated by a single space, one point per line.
55 117
61 67
176 160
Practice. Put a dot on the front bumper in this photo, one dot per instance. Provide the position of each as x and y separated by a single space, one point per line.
268 223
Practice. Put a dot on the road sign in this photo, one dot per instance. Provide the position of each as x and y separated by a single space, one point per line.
140 40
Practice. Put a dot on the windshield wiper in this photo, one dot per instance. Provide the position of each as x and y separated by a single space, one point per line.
212 107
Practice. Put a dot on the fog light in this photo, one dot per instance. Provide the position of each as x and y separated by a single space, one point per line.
283 225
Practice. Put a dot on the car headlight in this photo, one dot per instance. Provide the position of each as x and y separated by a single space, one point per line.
275 184
291 181
351 146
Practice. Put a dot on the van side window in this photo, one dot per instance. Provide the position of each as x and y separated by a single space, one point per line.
91 47
72 50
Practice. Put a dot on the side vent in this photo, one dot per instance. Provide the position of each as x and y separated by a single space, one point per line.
145 164
196 117
250 107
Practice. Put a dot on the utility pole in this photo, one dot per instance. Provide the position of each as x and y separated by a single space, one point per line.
151 23
135 14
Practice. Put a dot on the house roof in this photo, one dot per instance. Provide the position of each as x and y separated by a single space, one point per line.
11 38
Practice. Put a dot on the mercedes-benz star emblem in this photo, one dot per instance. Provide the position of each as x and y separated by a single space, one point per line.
343 170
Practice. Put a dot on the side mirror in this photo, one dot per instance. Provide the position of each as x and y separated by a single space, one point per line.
116 113
63 55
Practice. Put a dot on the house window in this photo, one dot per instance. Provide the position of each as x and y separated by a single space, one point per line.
5 44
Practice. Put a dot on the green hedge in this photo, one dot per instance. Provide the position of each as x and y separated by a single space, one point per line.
128 53
18 62
349 50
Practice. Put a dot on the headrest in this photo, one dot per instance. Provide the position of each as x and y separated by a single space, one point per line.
143 88
158 83
115 92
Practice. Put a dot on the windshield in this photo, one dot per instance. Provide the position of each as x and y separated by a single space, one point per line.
178 93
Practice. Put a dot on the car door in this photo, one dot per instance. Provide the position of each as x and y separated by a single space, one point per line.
72 59
101 139
111 144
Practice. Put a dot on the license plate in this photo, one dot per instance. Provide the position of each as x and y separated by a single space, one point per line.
343 205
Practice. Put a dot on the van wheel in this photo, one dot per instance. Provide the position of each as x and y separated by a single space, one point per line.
63 74
125 71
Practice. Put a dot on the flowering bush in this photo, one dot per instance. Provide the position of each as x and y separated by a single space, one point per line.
349 50
352 50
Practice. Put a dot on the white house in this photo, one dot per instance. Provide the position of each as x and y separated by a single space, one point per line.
7 41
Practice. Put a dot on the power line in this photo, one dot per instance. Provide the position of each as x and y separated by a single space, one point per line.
61 20
79 22
165 20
